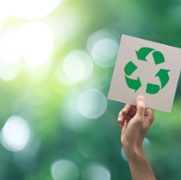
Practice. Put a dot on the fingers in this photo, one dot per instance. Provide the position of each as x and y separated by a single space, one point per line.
122 115
149 114
143 112
126 114
127 108
140 110
140 104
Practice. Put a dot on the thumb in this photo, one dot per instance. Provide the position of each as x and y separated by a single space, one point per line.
140 104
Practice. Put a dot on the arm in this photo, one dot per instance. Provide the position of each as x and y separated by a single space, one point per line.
135 122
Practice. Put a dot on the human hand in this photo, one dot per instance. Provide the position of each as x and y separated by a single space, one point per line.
135 122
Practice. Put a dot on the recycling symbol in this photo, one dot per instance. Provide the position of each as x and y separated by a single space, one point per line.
162 74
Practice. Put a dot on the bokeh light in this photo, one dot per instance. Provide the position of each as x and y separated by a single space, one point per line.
65 170
96 172
103 47
123 154
73 120
36 43
78 65
92 103
9 71
146 142
10 43
86 149
10 64
28 9
15 134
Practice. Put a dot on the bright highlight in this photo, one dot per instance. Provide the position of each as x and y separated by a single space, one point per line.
28 9
36 43
15 134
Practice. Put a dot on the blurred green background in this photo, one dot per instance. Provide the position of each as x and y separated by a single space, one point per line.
56 63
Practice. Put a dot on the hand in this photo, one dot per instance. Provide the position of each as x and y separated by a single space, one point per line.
135 122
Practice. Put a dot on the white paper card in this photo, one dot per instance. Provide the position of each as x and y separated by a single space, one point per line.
146 68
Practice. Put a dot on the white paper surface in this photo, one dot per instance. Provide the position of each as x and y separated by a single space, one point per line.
146 68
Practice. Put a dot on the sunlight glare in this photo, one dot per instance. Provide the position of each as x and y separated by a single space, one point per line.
36 43
9 47
28 9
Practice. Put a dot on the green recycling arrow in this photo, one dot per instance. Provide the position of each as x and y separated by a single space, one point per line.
152 88
143 52
133 83
130 68
163 76
158 57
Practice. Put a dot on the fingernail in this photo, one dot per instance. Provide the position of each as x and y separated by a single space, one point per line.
141 98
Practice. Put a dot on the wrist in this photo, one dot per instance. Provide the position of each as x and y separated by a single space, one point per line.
133 151
139 165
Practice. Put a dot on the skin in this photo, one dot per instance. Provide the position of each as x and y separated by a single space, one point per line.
135 122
